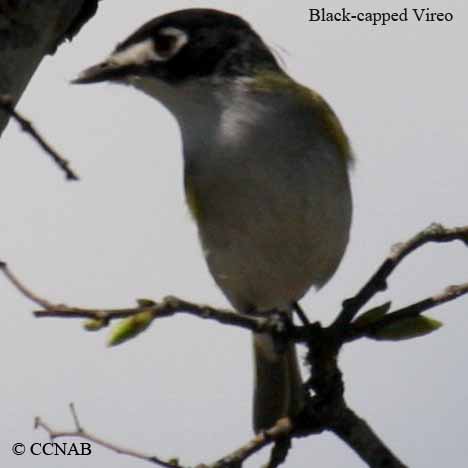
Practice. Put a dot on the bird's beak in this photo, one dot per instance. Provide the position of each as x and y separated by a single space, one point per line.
104 71
133 60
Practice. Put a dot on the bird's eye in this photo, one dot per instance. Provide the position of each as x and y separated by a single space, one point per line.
164 45
169 41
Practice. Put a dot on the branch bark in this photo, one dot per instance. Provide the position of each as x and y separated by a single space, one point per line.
358 435
31 30
79 432
378 282
6 104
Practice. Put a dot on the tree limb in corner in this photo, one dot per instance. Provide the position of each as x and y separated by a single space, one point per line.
6 104
30 30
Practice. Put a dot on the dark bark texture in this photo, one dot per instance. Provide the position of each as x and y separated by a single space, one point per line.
30 30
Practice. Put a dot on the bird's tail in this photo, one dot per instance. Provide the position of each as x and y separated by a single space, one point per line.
278 388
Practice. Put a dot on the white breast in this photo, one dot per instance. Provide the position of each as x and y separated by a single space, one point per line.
276 206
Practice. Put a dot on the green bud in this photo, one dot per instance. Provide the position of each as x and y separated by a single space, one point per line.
130 328
407 328
372 315
94 324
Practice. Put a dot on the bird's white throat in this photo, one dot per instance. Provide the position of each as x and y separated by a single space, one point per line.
208 115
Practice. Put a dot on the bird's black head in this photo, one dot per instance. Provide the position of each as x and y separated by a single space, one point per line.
186 44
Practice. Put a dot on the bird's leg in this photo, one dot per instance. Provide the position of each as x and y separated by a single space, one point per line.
301 314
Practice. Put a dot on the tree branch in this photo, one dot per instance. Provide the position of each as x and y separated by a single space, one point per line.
6 103
378 282
358 435
31 30
24 290
79 432
168 307
277 434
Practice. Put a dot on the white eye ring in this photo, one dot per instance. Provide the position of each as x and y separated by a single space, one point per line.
136 54
147 50
177 38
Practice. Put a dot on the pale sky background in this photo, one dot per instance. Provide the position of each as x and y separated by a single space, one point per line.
123 232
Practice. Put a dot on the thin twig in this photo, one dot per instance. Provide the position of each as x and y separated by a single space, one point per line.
40 301
80 433
358 435
378 281
278 432
166 308
74 414
6 103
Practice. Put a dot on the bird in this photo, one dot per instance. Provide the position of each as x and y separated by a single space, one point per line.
266 173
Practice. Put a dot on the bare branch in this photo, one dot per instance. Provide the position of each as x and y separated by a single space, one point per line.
168 307
75 417
327 409
281 430
6 103
80 433
29 32
358 435
378 281
277 434
24 290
